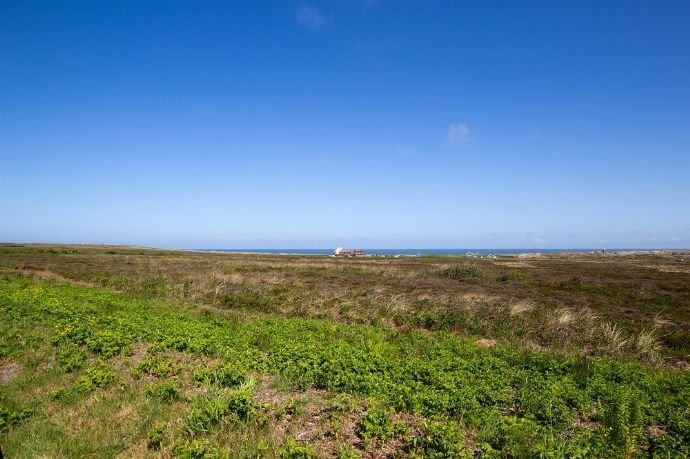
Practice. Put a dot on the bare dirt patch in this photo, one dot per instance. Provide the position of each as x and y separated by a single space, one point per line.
8 370
485 342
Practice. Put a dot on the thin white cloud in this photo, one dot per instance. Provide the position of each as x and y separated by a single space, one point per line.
311 16
458 133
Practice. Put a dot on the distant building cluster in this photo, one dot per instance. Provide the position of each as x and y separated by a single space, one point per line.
341 252
479 255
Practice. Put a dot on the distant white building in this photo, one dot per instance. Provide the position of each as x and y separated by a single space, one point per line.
341 252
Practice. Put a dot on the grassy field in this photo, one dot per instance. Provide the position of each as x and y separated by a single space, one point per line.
132 352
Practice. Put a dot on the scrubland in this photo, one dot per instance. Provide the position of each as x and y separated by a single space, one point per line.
133 352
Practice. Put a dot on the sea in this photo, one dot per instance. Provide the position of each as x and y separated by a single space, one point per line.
406 252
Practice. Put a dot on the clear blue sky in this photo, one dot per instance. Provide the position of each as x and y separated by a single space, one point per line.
386 123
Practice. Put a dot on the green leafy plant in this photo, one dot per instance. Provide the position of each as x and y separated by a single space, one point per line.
294 451
460 272
96 376
107 342
348 453
198 449
156 365
623 420
156 436
512 401
377 423
208 409
438 441
225 375
165 390
10 418
70 356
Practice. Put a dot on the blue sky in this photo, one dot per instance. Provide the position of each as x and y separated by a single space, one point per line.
384 123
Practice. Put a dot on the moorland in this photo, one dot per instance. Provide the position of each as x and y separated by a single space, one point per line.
113 351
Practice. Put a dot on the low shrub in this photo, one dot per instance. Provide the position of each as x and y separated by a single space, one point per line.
10 418
437 441
348 453
70 356
241 405
198 449
514 403
156 365
97 375
519 437
246 299
155 437
292 407
107 343
294 451
513 276
550 401
166 390
224 375
460 272
208 409
377 423
622 418
340 405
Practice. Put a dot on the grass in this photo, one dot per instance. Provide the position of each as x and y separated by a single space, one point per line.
178 366
460 272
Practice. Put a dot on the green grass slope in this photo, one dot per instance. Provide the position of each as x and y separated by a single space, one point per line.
90 372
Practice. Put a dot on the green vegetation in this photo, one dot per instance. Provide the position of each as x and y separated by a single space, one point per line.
459 272
377 424
166 390
156 365
156 436
294 451
70 356
208 409
513 276
138 374
437 440
224 374
10 418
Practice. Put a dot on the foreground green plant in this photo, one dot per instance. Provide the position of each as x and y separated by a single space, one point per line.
224 375
165 390
155 437
208 409
513 403
156 365
459 272
377 423
10 418
294 451
438 441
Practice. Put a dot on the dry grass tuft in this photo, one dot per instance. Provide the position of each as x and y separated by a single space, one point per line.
647 344
8 370
565 317
520 307
613 336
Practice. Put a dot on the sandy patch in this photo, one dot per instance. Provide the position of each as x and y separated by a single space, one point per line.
485 342
8 370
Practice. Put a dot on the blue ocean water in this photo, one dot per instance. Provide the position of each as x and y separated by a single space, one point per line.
408 252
